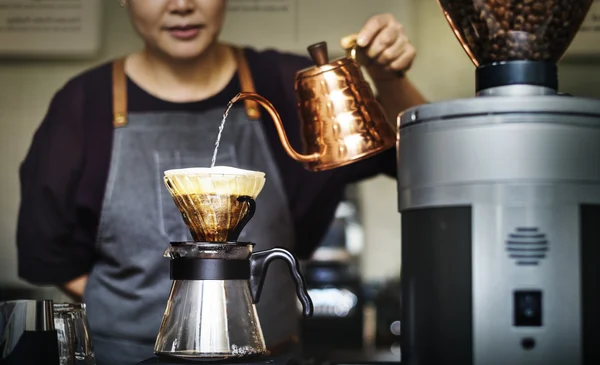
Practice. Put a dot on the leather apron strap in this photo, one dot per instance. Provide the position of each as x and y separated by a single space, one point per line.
246 83
119 82
119 89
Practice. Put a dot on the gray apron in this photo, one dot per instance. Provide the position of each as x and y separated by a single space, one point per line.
129 285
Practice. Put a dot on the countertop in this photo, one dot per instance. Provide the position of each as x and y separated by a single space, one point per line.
341 357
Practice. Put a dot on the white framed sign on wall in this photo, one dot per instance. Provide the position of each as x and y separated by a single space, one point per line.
292 25
50 28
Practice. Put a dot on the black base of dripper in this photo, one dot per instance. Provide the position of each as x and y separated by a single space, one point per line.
507 73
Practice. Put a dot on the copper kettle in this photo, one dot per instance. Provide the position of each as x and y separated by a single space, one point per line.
341 120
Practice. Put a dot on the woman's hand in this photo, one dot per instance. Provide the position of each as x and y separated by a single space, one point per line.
387 54
386 46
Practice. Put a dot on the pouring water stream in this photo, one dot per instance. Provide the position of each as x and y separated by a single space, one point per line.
278 125
225 114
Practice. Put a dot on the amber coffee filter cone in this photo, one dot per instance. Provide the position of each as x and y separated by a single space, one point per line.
214 202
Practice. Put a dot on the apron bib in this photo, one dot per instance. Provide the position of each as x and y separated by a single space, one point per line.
129 285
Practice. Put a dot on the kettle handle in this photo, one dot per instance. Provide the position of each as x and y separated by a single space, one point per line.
353 51
278 125
259 263
350 45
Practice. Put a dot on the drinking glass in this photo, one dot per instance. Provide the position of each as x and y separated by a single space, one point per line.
75 345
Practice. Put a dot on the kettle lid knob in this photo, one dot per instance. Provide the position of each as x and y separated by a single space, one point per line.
318 53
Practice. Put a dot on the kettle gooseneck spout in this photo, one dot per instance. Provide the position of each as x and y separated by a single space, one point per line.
278 125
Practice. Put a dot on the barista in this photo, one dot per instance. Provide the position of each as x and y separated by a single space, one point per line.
95 217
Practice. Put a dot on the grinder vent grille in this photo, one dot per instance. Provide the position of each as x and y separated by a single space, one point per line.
527 246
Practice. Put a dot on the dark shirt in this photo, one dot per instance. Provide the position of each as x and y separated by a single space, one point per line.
64 174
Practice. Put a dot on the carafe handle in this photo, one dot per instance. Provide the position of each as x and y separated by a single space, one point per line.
233 235
259 263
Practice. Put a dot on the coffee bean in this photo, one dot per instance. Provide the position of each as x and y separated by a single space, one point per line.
504 30
520 19
539 8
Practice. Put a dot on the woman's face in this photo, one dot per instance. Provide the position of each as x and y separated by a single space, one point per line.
181 29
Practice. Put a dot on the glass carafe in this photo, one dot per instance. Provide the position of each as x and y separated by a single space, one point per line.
211 310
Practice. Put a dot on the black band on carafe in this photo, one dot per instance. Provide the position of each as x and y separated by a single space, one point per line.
209 269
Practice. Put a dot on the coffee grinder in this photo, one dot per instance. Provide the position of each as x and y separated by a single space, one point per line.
27 333
211 314
500 200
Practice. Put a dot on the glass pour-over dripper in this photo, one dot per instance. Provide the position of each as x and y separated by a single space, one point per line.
214 201
515 30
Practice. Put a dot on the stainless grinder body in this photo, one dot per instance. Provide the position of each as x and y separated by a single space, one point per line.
500 207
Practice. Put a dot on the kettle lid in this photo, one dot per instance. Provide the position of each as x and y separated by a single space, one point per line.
320 56
318 53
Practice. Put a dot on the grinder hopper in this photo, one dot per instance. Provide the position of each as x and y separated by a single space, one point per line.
515 41
215 203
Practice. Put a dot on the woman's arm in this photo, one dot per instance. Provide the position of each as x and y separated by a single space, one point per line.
396 95
53 245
